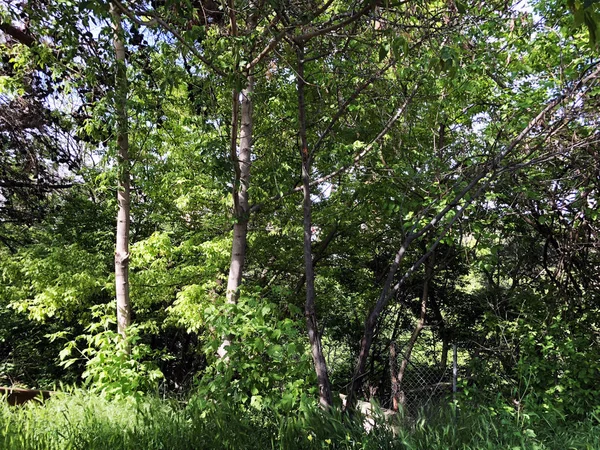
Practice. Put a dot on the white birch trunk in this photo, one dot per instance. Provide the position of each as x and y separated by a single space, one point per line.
123 187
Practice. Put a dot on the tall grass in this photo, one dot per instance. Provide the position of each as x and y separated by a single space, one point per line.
83 421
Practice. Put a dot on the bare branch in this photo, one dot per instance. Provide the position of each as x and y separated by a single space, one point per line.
357 158
265 52
342 110
132 16
360 155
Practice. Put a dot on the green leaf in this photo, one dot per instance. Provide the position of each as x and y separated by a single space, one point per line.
384 50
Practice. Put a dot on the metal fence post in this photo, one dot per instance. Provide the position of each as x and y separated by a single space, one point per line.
454 371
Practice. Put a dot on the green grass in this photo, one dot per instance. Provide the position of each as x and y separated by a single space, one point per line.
83 421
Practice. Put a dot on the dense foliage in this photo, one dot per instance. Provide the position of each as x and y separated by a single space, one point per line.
381 174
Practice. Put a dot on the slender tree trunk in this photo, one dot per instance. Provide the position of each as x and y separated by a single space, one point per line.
398 396
241 203
443 332
123 191
242 161
394 377
242 208
393 360
444 357
317 256
371 323
415 334
325 395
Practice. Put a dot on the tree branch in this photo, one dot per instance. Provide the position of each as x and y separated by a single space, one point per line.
370 4
490 169
19 35
157 20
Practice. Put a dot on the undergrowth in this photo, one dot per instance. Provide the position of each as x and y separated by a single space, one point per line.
84 421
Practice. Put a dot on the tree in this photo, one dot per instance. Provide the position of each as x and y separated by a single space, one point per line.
40 154
467 131
123 187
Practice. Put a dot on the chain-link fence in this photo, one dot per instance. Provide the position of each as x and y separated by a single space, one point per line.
425 387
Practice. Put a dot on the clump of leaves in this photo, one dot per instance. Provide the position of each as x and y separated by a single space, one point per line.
115 366
267 364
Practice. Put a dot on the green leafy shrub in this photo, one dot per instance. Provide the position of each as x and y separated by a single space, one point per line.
560 366
114 366
267 364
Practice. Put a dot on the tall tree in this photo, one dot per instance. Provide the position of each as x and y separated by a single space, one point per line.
123 181
241 158
325 395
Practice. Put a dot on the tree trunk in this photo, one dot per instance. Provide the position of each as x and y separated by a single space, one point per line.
123 191
371 323
242 161
444 357
443 332
396 400
325 395
415 335
241 204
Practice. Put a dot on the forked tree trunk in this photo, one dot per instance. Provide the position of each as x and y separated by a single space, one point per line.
325 395
123 187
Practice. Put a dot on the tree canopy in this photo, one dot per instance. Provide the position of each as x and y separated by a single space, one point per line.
305 197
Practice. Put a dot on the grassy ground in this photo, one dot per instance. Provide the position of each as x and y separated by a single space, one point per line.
82 421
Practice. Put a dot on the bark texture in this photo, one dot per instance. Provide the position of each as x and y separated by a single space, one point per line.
325 395
123 191
241 204
242 162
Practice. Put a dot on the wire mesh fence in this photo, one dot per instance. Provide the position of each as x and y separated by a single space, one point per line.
420 384
425 389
